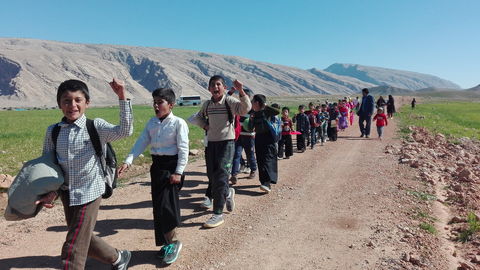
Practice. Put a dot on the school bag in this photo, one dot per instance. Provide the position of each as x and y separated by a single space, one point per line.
107 161
275 127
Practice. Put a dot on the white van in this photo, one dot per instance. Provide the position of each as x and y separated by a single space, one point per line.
189 100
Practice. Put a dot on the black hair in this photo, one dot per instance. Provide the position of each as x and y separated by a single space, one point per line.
216 78
365 90
324 105
285 108
300 107
248 91
310 104
260 99
72 86
275 105
166 94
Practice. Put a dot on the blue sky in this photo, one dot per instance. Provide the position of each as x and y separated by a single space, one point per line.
437 37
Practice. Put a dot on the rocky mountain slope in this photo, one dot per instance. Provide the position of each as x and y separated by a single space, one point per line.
31 70
390 77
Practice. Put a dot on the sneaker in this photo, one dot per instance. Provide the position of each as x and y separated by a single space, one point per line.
265 188
279 158
361 136
230 201
161 254
252 174
214 221
233 179
207 203
125 256
245 169
172 251
367 136
287 157
242 168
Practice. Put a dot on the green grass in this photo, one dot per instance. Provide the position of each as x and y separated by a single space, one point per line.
473 227
428 227
22 132
422 195
453 119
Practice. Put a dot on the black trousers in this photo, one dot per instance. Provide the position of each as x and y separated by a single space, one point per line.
301 141
165 201
219 158
285 144
365 128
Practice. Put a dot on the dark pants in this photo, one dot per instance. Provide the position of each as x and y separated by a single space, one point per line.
247 143
165 201
80 241
219 157
301 141
365 129
266 152
285 145
312 139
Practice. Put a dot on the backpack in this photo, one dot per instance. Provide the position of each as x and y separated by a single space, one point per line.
108 161
275 127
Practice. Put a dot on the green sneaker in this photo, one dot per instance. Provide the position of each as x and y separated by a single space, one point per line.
172 251
161 253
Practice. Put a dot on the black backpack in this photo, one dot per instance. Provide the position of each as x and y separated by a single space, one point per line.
108 162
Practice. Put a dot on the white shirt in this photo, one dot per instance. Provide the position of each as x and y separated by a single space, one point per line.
166 138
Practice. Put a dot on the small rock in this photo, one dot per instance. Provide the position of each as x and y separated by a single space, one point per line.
406 257
5 180
415 259
194 152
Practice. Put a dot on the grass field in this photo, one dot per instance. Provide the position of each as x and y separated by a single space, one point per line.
453 119
22 132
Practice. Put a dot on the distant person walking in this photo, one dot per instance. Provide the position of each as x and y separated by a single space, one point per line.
365 113
413 103
390 106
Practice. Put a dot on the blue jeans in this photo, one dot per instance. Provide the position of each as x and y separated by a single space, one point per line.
246 143
313 137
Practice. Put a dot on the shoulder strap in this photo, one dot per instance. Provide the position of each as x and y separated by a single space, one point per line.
92 132
55 132
229 112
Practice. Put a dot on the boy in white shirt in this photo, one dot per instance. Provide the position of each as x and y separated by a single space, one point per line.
167 136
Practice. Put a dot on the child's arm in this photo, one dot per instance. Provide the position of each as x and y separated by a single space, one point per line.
386 121
142 142
182 144
375 117
47 142
109 132
199 118
244 106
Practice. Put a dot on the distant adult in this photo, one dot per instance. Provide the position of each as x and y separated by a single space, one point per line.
365 113
413 103
381 102
390 106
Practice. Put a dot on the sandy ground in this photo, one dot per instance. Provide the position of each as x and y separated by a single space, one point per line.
339 206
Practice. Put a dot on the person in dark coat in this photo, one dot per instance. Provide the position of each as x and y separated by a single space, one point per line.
365 113
390 106
265 144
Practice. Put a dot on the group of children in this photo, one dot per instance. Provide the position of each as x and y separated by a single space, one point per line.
231 126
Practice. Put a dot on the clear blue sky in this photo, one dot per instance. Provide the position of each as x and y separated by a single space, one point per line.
437 37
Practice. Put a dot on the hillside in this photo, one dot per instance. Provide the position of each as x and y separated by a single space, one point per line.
390 77
31 70
385 90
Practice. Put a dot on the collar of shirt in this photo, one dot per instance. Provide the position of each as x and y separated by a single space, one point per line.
80 122
166 119
221 101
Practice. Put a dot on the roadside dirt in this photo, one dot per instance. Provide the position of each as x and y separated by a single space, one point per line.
345 205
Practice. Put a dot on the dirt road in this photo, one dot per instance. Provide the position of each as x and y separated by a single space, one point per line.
338 206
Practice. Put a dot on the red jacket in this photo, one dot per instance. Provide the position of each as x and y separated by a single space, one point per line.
381 119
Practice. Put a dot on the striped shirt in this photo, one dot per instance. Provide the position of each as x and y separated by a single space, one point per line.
82 169
166 138
219 126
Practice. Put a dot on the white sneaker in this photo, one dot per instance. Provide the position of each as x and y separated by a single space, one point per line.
214 221
265 188
207 203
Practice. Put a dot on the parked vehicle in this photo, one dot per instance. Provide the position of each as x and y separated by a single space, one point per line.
189 100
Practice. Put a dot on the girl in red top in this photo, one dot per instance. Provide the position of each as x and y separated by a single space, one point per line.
381 121
285 142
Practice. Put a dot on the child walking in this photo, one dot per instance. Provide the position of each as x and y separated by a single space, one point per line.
167 136
303 126
285 143
265 147
381 122
216 118
332 123
81 194
323 117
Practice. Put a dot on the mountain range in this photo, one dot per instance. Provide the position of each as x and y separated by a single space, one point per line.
31 70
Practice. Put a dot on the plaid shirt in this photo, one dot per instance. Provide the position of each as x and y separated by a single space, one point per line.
76 155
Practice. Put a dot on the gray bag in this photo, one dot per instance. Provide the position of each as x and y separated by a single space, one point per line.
36 178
